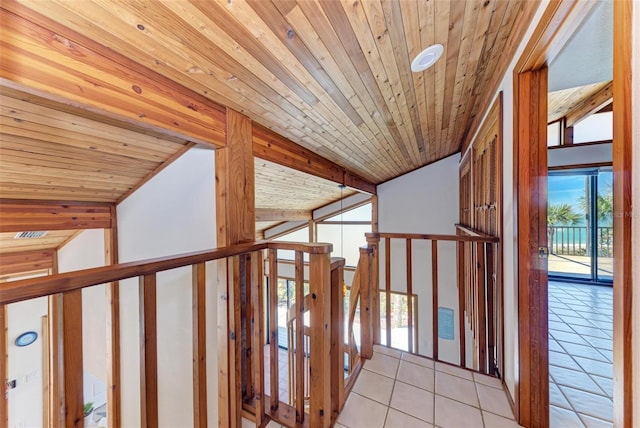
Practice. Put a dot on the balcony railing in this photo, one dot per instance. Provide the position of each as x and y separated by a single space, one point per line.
576 241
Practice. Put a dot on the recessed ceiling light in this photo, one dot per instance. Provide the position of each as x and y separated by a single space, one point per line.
427 58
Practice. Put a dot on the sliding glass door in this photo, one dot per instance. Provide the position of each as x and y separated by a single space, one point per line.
580 232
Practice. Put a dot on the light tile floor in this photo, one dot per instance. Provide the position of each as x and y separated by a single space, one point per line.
580 355
398 390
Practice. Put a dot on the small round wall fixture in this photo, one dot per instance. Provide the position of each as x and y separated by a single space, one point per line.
26 338
427 58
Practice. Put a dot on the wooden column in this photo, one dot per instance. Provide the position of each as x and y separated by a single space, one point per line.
625 272
366 324
532 269
257 333
72 342
148 352
373 242
320 384
235 220
337 337
112 291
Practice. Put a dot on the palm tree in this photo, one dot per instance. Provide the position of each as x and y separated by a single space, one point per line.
559 215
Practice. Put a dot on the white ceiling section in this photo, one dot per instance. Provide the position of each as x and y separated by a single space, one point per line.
588 56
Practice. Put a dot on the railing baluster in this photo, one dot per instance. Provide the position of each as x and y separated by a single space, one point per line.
434 296
4 408
409 295
273 330
461 302
299 342
257 333
198 299
387 274
148 351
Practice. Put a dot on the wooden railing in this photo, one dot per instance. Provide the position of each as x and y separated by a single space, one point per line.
475 280
244 321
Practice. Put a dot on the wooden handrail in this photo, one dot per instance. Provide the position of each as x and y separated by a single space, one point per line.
11 292
435 237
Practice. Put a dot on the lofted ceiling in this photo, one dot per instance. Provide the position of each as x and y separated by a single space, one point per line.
332 76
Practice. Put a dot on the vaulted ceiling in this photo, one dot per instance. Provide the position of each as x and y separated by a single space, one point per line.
333 76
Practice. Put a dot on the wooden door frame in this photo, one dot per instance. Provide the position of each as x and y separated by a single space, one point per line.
559 21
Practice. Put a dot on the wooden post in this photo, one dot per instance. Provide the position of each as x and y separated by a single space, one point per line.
72 342
320 391
373 242
434 296
235 349
198 311
235 219
490 317
337 337
112 291
299 342
366 326
257 333
273 330
148 352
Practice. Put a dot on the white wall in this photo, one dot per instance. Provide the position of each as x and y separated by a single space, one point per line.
423 201
579 155
172 213
87 251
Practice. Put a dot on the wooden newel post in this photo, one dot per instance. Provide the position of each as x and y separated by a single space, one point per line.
373 243
320 354
337 336
366 323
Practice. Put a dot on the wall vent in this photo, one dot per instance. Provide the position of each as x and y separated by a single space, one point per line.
29 235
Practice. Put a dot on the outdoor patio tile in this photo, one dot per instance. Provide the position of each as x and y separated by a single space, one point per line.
589 404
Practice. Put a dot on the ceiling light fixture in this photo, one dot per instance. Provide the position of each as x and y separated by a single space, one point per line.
427 58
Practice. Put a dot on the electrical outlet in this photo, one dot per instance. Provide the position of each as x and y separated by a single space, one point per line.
11 384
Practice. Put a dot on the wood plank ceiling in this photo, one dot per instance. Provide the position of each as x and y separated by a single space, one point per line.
333 76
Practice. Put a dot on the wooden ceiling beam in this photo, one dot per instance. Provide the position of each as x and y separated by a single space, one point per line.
42 57
26 261
273 147
270 214
28 215
590 105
